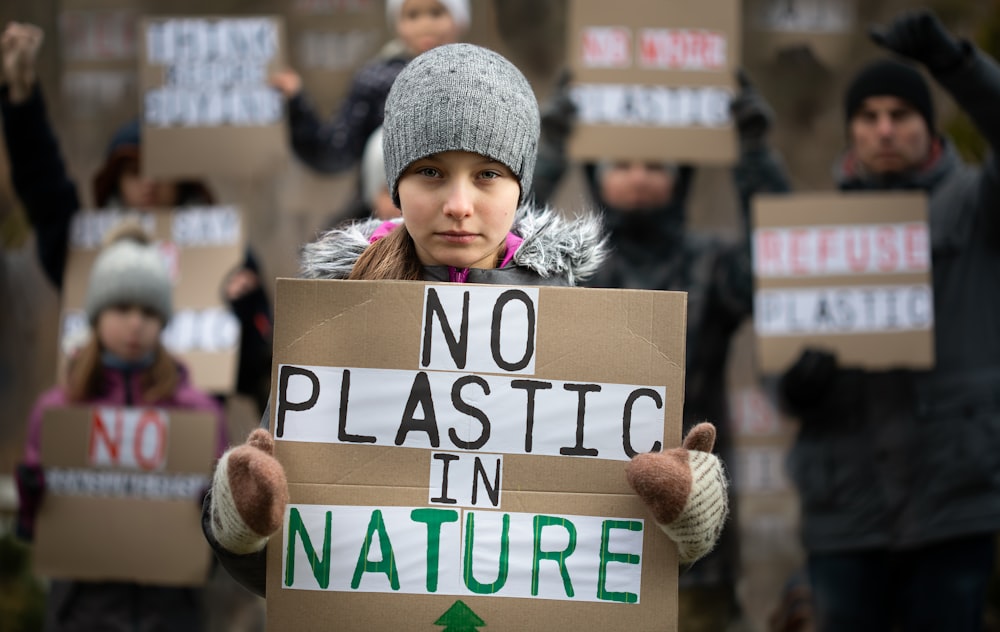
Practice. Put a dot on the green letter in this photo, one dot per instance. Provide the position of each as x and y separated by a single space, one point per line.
387 564
470 581
320 566
434 518
558 556
625 558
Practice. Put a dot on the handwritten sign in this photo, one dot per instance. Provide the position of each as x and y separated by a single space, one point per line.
654 80
207 107
481 449
849 272
122 495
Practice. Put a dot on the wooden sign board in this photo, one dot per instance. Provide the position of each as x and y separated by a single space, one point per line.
207 107
849 272
122 495
202 244
653 80
455 453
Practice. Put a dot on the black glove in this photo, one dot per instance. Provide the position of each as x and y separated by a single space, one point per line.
806 383
558 115
920 36
30 492
751 113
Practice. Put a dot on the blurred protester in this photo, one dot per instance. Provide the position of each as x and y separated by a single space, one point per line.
128 303
372 200
337 145
898 471
50 198
644 206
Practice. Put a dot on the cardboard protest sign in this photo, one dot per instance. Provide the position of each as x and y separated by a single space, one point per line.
122 495
653 80
207 107
847 272
202 244
823 26
455 456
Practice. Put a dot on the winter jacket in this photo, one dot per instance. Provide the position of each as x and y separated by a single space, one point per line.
50 200
122 606
902 459
338 144
653 250
554 251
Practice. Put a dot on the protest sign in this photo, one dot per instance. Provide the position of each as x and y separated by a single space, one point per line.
202 244
207 107
455 454
846 272
122 495
653 80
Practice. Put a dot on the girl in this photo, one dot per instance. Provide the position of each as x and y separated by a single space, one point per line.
460 138
124 364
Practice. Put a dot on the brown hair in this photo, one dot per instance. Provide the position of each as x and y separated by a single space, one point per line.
394 257
84 380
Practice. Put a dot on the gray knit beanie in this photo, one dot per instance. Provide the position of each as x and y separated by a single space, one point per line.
129 271
461 97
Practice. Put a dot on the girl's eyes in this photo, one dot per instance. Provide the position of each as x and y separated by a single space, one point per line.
490 174
430 172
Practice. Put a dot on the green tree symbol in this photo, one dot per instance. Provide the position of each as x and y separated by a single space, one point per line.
459 618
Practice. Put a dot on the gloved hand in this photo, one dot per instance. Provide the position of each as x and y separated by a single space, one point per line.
685 489
30 493
920 36
808 380
249 495
752 114
558 114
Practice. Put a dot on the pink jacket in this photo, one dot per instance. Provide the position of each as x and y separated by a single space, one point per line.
118 393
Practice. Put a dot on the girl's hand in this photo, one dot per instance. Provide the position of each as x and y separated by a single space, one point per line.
249 495
685 489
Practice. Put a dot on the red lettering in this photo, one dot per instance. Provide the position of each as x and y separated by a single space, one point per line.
112 442
824 251
885 243
915 247
768 251
857 249
798 250
152 420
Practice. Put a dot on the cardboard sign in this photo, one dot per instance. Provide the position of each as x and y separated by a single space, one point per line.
825 27
455 456
207 107
202 244
122 495
653 80
846 272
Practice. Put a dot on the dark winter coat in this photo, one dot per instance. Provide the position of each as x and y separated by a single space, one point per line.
902 459
653 250
555 251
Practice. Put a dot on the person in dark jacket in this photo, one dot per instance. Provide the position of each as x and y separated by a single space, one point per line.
644 206
459 187
337 145
899 471
51 200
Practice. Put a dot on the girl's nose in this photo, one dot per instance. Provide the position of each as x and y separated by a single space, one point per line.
458 203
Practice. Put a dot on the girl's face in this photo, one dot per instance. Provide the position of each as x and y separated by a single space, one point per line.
425 24
458 207
128 331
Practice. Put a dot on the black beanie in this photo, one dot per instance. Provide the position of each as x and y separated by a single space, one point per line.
893 79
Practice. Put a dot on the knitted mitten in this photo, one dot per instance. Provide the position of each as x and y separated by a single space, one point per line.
249 495
685 489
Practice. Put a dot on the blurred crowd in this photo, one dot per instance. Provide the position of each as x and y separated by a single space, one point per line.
897 471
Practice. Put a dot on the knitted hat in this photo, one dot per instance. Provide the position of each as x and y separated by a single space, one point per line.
459 10
372 168
129 271
886 77
461 97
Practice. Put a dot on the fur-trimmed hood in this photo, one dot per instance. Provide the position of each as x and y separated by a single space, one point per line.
554 246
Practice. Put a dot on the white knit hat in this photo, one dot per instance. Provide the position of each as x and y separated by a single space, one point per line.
129 271
373 169
459 10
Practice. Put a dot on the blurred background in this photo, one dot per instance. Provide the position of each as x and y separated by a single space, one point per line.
799 53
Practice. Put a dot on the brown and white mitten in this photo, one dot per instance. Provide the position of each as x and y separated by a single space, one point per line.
249 495
686 490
